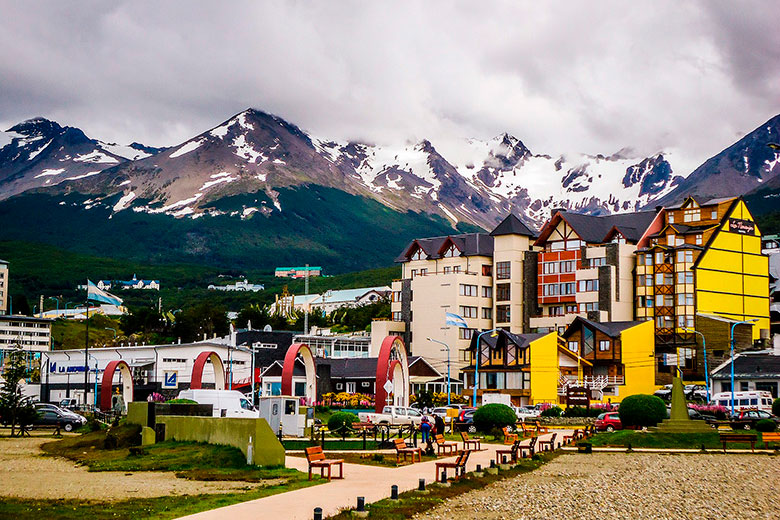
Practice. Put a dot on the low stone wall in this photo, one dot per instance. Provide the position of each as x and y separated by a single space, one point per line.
565 421
230 431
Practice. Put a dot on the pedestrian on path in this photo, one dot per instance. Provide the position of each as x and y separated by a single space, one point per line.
425 429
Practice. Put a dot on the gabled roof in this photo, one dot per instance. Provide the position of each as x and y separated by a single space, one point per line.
469 244
610 328
750 365
503 338
3 262
512 225
596 229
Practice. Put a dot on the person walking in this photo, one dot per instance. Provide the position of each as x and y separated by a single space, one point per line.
425 429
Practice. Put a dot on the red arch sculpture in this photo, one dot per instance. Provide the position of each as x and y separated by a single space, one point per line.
196 382
311 371
107 383
392 357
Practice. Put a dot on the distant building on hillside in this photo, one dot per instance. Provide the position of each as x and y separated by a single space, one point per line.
330 300
3 287
135 283
240 286
297 272
31 333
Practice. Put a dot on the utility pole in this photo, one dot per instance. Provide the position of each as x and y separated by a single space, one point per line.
306 303
86 353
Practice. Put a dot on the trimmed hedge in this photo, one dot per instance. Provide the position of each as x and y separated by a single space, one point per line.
339 419
766 425
553 411
494 416
776 407
642 410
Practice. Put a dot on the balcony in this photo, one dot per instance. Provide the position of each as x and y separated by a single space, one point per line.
590 382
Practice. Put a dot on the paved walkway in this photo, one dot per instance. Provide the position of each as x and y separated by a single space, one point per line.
371 482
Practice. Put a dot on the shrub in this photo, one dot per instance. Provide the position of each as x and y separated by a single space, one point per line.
340 419
642 410
553 411
321 408
766 425
776 407
180 401
492 416
581 411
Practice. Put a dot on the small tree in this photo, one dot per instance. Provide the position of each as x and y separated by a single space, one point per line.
776 407
642 410
424 399
15 408
494 416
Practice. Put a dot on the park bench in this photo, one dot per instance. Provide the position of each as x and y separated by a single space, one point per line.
541 429
768 437
477 443
459 465
577 435
444 446
401 448
526 430
551 443
316 459
511 452
509 438
726 438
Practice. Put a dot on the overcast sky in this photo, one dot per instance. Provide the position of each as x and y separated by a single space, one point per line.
571 76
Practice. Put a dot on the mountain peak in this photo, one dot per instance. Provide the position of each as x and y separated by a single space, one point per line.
36 126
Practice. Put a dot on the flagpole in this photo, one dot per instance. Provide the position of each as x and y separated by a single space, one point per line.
86 354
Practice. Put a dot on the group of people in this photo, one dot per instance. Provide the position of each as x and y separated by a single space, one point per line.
428 428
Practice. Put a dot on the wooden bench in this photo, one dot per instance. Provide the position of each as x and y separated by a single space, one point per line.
541 429
511 452
444 446
531 447
551 443
401 448
768 437
577 435
509 438
459 465
726 438
477 443
316 459
526 430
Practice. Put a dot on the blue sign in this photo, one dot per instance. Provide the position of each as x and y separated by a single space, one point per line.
170 380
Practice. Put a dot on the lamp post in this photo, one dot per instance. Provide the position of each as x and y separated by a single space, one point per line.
704 348
447 348
112 330
96 383
476 363
58 304
732 357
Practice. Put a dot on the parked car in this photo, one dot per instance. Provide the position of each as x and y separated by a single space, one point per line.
69 403
225 403
747 419
60 410
52 415
695 393
608 421
698 416
395 415
463 412
441 411
467 417
523 413
664 393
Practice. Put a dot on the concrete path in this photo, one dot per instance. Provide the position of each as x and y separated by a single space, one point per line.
371 482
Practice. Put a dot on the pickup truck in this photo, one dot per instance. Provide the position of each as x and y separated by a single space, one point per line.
394 415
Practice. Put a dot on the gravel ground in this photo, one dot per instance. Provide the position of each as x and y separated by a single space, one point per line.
647 486
26 473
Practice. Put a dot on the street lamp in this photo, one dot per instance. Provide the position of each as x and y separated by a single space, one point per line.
476 364
96 382
111 329
732 357
447 348
704 347
58 304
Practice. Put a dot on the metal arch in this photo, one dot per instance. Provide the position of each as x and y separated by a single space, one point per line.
392 351
196 381
310 366
107 383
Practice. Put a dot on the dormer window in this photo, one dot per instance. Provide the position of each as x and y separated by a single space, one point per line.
418 254
451 251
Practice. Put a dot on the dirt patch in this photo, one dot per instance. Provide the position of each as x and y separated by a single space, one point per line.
27 473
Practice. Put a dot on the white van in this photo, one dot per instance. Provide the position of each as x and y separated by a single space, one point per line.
752 400
226 403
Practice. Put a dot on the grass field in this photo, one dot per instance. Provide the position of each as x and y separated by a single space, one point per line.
638 439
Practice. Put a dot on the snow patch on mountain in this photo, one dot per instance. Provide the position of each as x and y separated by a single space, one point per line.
186 148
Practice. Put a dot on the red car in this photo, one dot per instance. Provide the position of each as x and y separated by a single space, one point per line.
609 421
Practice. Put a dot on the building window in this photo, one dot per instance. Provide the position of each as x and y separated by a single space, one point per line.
567 288
698 239
456 269
588 285
587 341
685 321
417 255
468 290
664 300
574 346
685 256
571 309
503 292
503 270
640 259
585 307
487 270
714 214
464 333
671 218
556 310
447 270
487 291
597 262
550 289
467 311
685 277
502 313
603 345
685 299
423 272
397 316
692 215
567 266
550 267
487 313
663 322
451 252
414 273
649 280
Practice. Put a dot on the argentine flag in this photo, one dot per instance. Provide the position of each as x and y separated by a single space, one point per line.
455 320
95 294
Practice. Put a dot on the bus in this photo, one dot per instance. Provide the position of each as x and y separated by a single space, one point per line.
752 400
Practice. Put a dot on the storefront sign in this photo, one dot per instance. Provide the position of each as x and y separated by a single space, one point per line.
743 227
170 379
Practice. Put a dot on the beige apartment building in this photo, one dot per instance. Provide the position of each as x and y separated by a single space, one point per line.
3 287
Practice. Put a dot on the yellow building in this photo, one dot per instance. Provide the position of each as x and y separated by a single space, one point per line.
700 267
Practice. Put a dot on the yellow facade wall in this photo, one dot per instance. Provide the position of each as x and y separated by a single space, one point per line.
638 347
544 369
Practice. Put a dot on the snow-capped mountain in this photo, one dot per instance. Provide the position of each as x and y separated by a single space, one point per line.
39 153
475 182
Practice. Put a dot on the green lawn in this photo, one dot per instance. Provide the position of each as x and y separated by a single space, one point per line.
638 439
